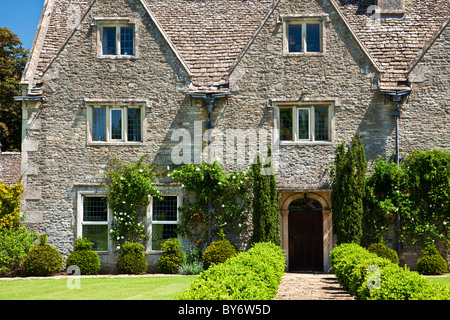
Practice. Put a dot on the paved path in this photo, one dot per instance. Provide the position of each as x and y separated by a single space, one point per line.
311 286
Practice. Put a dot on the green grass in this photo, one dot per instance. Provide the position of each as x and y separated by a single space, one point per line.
440 280
117 288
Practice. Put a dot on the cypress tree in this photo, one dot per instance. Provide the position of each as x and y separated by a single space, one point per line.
266 216
348 191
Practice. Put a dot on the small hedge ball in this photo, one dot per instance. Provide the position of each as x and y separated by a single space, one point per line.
218 252
132 259
431 262
87 260
384 251
172 258
43 260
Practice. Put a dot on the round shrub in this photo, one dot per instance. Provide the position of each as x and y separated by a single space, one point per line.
218 252
431 262
87 260
42 260
384 251
172 258
132 259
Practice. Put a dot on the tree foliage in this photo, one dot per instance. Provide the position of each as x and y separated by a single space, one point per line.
12 63
348 191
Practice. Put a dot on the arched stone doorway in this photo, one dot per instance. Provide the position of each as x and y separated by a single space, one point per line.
306 224
305 235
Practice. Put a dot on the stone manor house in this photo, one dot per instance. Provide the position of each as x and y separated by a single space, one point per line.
123 78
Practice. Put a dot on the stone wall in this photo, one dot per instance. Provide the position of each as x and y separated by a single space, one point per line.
10 167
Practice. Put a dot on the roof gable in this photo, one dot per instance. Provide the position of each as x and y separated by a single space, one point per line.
394 43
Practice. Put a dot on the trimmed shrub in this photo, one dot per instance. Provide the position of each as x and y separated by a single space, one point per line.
432 292
42 260
87 260
14 247
132 259
172 257
431 263
252 275
370 277
384 251
218 252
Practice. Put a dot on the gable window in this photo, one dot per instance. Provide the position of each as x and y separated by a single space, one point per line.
117 39
305 123
303 35
95 221
164 221
115 123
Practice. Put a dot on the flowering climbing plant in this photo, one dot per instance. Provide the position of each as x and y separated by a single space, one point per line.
229 195
129 189
418 192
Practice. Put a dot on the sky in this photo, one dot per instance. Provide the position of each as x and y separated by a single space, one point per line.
22 18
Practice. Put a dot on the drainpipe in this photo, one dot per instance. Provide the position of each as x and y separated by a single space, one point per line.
397 97
209 103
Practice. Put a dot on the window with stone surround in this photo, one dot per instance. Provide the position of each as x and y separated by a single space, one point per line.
115 123
305 123
93 216
116 37
164 220
303 35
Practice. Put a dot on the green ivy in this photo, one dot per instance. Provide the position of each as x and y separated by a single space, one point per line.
229 195
129 188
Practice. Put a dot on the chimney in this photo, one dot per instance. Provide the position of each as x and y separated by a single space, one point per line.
388 7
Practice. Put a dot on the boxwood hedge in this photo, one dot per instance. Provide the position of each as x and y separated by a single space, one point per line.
251 275
370 277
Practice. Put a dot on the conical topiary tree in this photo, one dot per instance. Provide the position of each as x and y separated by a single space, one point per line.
266 215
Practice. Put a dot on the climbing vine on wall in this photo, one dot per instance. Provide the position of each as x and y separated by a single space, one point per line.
229 195
130 189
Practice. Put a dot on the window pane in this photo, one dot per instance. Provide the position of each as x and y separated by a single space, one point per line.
161 233
303 124
295 37
286 124
99 124
109 41
116 124
165 210
98 234
313 38
127 41
95 209
134 125
321 124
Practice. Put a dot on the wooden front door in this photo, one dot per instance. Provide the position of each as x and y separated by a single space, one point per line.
305 240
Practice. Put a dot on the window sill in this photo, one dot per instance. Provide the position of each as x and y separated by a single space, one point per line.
306 143
121 143
303 54
117 57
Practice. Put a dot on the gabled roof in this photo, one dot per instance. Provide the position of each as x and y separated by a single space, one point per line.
210 36
395 42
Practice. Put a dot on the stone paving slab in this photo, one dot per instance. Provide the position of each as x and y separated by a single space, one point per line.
311 286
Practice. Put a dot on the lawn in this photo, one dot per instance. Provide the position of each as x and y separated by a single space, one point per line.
440 280
99 288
